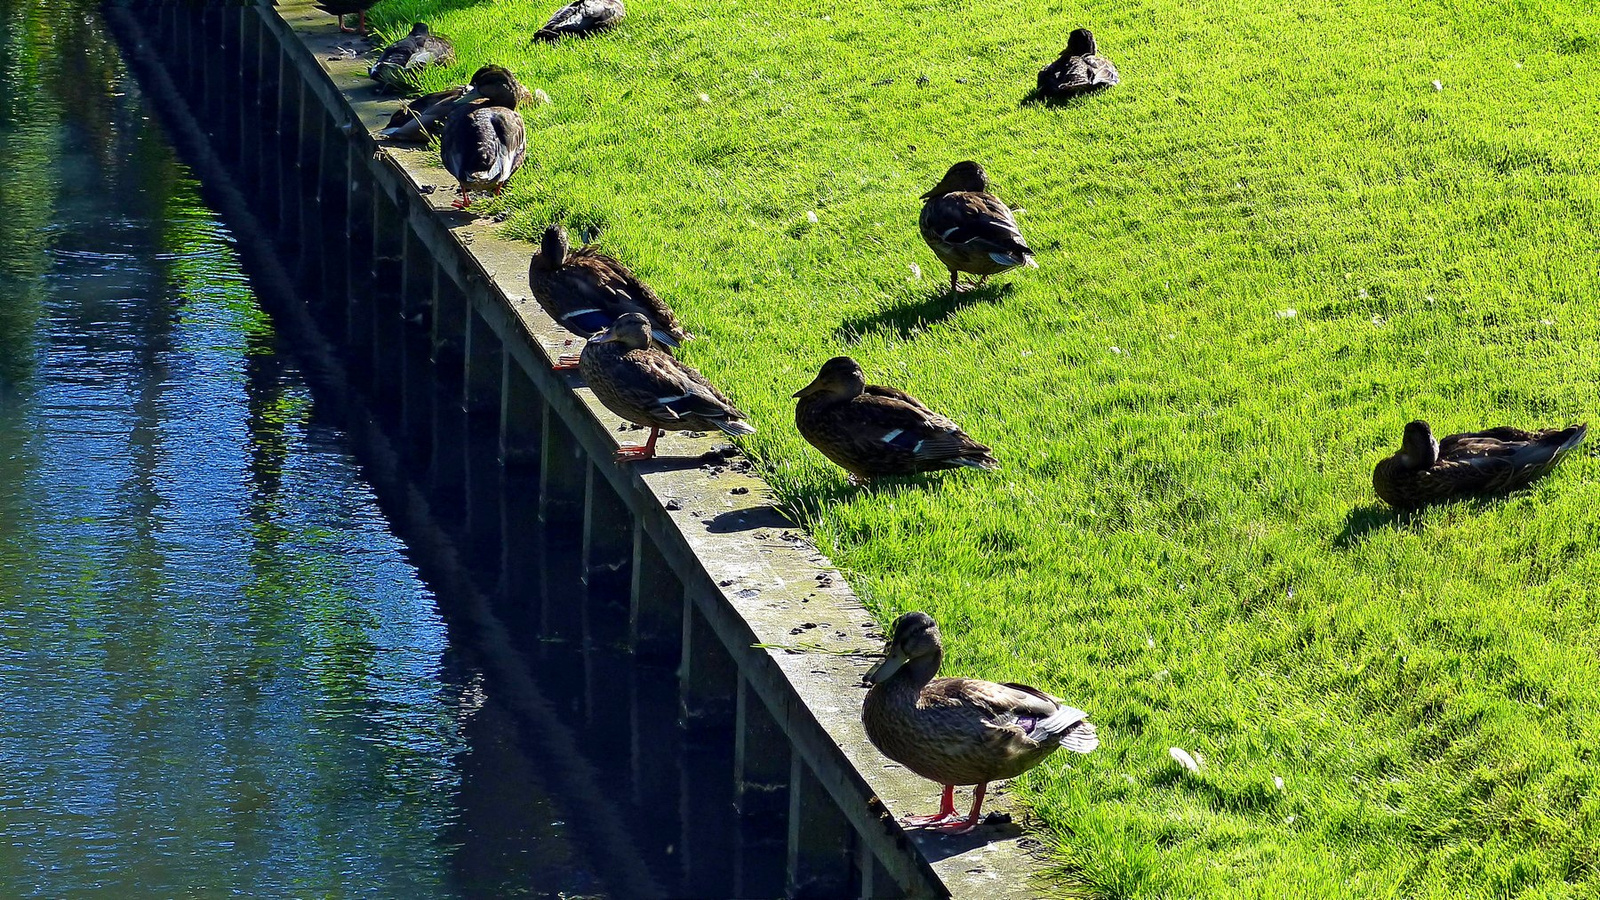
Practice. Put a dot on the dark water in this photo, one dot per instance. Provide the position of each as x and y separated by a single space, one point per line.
219 673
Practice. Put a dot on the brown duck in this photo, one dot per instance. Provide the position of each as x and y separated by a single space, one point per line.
1426 470
342 8
484 142
649 387
873 431
581 18
1078 70
403 59
969 229
960 730
586 291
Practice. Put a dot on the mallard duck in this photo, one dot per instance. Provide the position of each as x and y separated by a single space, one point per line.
402 59
648 386
1426 470
959 731
422 116
586 291
484 142
1077 70
581 18
969 229
342 8
873 431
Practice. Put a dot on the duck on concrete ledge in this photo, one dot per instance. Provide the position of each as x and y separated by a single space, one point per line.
648 386
1426 470
872 431
342 8
969 229
587 291
484 142
959 731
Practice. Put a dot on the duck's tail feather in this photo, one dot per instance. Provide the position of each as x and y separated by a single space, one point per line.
664 337
1070 728
735 426
985 462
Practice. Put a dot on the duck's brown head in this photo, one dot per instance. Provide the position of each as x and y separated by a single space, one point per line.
1080 43
914 640
419 29
1418 448
963 176
631 330
553 249
840 378
495 84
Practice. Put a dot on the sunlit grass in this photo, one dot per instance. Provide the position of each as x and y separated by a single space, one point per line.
1183 539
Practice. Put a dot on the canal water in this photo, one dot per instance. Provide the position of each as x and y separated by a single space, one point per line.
220 670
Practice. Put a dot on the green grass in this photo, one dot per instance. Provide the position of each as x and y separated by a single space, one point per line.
1183 539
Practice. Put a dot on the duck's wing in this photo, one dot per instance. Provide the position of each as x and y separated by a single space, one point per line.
581 17
1017 710
977 224
1502 459
671 390
496 146
617 291
414 120
886 419
1102 74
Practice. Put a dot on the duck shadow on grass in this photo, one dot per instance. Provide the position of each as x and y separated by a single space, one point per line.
807 503
1035 98
1362 520
903 319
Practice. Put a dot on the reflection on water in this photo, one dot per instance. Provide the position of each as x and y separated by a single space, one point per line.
218 671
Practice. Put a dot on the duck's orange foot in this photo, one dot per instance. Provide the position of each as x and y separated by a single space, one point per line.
934 821
635 454
462 203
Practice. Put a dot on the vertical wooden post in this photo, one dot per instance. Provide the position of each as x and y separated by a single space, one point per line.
655 610
761 752
707 675
820 838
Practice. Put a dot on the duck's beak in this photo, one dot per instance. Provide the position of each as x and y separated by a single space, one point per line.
808 390
883 671
471 95
604 337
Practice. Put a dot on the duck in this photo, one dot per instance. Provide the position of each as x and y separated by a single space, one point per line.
1078 70
484 142
342 8
873 431
402 59
1428 470
960 731
969 229
586 292
422 117
640 382
581 18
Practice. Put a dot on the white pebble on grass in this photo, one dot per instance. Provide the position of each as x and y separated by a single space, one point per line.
705 98
1288 820
916 272
1437 86
1288 313
1182 758
811 217
1278 780
1117 350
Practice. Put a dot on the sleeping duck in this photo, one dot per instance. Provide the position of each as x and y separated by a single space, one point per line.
411 54
969 229
648 386
581 18
423 117
1077 70
1426 470
586 291
873 431
960 730
484 142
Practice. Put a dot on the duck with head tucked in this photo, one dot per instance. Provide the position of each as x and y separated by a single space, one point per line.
648 386
959 731
1428 470
581 18
403 59
873 431
1078 70
484 142
969 229
586 291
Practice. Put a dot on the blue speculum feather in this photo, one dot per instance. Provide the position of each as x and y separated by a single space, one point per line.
905 440
591 320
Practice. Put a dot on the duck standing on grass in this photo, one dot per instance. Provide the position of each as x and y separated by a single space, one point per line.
873 431
404 58
969 229
1078 70
484 142
581 18
649 387
587 291
960 730
1426 470
342 8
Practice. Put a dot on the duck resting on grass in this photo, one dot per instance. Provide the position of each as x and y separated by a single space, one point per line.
342 8
969 229
1427 470
404 58
581 18
1078 70
587 291
649 387
872 431
959 731
484 142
